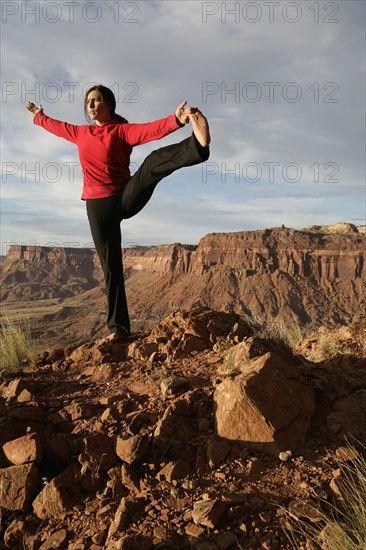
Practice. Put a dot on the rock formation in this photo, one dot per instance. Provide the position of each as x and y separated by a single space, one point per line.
190 435
309 278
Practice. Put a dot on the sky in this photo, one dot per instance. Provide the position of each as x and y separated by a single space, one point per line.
282 84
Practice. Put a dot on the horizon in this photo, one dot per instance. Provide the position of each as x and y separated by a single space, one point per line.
185 244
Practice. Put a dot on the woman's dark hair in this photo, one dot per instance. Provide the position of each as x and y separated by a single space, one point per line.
108 98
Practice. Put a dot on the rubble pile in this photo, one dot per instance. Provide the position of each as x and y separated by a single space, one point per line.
191 435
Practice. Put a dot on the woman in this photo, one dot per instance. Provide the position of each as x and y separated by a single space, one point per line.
110 192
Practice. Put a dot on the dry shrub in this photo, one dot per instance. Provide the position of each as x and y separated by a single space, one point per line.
325 343
283 334
343 523
17 345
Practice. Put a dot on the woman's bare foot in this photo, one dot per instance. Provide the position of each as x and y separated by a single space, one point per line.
200 128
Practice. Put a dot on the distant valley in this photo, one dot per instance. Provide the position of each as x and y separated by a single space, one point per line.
312 277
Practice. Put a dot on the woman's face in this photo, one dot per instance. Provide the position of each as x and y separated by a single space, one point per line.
98 111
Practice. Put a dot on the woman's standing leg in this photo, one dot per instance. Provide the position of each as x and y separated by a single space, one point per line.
105 227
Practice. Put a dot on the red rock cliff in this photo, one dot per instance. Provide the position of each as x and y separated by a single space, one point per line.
316 277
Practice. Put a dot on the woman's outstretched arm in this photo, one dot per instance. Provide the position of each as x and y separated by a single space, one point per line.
137 134
56 127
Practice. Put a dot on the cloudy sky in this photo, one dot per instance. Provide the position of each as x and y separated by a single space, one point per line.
282 84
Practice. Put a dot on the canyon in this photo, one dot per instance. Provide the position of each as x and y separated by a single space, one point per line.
308 278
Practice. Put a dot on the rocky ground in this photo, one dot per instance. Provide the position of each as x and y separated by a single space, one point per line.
177 438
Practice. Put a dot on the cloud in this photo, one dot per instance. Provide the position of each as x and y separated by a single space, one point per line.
281 83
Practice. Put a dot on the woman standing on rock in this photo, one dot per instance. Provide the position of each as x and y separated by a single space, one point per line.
110 192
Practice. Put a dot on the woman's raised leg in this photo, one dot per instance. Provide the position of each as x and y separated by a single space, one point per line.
163 162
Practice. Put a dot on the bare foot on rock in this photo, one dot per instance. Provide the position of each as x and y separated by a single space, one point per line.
200 128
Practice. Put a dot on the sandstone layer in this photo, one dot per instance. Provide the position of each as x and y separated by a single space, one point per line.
309 278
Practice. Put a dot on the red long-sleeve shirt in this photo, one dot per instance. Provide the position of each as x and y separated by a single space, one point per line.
105 151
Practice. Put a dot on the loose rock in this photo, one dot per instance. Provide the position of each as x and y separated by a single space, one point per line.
208 512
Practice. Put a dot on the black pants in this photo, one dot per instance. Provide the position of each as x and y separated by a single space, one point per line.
105 216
